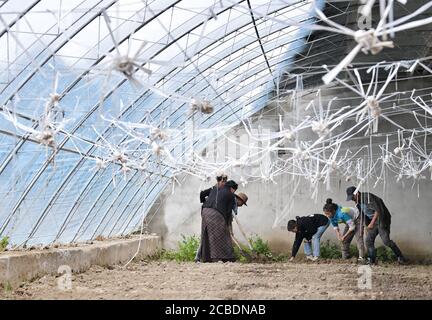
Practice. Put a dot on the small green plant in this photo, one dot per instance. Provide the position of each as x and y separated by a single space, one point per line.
4 242
165 254
240 257
281 258
7 287
187 248
385 254
260 252
330 250
260 246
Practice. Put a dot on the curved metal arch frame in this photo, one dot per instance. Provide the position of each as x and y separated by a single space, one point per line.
43 167
21 143
69 175
23 13
79 78
264 95
58 42
279 62
111 205
46 48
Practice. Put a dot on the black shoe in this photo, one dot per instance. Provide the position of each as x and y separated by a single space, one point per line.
402 260
371 262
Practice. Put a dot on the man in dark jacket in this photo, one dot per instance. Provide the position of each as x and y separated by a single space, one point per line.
377 221
310 228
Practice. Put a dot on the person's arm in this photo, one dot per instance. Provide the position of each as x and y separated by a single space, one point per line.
204 194
296 245
338 234
235 207
351 226
374 219
335 226
228 213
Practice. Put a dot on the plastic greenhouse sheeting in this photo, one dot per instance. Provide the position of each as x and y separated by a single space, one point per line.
59 61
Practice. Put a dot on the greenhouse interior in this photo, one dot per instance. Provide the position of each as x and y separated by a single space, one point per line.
216 149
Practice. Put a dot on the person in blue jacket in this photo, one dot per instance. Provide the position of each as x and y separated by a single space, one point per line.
350 217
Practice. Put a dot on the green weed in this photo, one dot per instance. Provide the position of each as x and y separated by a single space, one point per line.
187 248
330 250
7 287
261 252
4 242
260 247
385 254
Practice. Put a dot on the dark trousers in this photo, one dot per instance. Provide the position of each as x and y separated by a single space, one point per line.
384 233
358 233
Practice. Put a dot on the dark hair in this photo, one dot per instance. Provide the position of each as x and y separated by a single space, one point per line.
231 184
330 206
222 177
291 225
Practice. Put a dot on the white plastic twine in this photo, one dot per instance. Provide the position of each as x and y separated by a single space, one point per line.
203 106
369 41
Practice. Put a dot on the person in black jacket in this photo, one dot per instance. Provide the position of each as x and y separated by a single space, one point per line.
216 244
310 228
221 179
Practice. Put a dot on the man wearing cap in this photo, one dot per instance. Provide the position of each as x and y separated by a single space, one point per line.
377 221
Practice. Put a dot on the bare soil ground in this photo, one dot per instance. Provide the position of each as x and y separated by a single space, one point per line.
172 280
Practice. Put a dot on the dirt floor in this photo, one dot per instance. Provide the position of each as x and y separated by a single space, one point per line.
171 280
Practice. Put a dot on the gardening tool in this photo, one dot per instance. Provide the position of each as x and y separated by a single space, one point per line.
242 252
243 233
248 256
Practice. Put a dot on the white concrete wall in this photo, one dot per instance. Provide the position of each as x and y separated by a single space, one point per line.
412 215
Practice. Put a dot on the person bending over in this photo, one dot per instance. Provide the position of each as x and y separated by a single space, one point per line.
353 227
216 244
221 179
310 228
